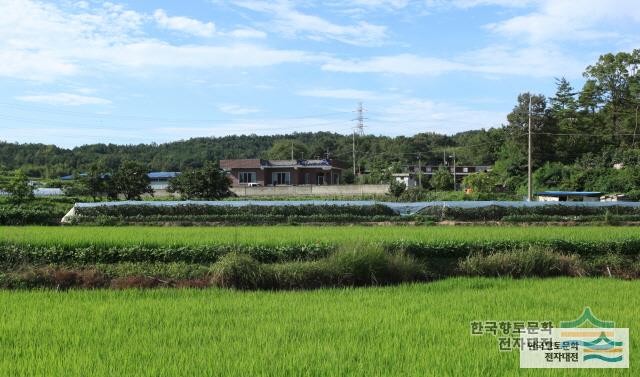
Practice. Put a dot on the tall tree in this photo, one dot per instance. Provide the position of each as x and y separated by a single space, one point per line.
542 127
442 179
571 141
19 187
208 182
132 181
613 74
96 180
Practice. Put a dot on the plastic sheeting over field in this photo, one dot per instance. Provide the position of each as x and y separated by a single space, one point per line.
401 208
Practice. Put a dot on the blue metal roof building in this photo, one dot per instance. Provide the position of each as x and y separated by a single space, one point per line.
163 174
565 196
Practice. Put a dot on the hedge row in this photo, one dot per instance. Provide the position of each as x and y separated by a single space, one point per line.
497 213
13 215
461 249
240 219
608 218
226 210
360 267
16 254
19 254
234 270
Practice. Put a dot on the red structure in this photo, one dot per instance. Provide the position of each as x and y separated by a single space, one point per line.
257 172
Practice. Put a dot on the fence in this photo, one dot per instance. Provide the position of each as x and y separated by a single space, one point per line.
311 190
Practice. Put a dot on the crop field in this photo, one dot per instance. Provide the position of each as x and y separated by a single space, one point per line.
119 236
407 330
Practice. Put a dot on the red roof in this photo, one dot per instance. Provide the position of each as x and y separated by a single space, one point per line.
240 164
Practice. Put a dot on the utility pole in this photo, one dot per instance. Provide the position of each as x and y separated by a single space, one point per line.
529 185
292 150
454 170
419 170
354 153
636 128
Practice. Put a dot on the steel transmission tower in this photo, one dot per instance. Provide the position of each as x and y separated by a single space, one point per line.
359 128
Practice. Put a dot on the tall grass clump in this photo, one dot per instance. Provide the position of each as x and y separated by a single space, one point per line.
345 268
519 263
614 265
236 270
373 266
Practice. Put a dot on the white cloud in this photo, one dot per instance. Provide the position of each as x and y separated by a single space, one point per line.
66 99
380 3
184 24
41 41
351 94
498 59
414 115
477 3
294 23
246 33
154 53
568 20
232 109
543 61
409 64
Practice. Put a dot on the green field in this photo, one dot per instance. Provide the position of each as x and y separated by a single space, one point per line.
75 236
411 330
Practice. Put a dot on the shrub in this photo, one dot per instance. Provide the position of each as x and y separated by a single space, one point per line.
532 262
614 265
396 188
497 213
174 271
236 270
54 277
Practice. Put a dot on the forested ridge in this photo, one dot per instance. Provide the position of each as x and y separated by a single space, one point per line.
578 135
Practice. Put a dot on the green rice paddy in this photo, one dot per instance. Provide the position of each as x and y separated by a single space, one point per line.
114 236
410 330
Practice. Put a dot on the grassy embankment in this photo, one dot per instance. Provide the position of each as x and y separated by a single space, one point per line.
305 257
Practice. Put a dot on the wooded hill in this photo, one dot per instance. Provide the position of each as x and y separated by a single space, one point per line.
575 133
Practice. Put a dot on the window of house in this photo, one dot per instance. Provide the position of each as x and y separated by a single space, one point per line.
247 177
307 178
465 170
281 178
320 179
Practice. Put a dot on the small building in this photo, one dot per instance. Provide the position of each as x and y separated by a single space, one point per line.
71 177
409 179
615 198
568 196
160 179
460 172
259 172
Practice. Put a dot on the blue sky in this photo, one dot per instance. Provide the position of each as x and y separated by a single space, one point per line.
80 72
